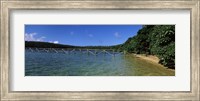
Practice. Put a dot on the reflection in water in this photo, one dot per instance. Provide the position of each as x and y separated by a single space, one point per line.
79 64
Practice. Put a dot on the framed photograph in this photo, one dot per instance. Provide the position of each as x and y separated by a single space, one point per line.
100 50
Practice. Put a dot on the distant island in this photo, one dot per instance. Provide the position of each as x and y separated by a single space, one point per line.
39 44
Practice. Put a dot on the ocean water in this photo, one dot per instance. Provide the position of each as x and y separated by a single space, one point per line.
83 64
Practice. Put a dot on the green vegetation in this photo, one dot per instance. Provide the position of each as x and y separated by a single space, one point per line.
45 45
156 40
39 44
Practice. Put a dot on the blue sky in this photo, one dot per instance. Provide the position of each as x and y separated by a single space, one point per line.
81 35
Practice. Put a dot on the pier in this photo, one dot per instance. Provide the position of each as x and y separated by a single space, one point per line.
95 52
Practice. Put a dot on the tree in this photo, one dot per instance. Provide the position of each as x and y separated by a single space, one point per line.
157 40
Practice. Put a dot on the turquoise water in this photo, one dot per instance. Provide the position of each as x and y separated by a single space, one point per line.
82 64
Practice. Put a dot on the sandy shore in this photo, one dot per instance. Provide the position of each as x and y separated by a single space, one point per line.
150 58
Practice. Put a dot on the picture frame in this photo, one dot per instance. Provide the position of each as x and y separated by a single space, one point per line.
7 6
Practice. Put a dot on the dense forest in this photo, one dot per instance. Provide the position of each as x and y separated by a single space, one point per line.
158 40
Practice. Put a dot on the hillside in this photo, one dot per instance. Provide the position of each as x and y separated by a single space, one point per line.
158 40
39 44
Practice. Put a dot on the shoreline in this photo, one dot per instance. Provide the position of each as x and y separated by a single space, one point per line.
151 58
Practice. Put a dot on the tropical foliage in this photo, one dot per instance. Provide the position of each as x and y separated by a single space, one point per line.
156 40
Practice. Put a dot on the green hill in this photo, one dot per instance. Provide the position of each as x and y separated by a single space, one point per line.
156 40
37 44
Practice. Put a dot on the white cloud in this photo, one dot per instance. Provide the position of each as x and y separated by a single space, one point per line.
117 35
90 35
40 39
32 37
55 42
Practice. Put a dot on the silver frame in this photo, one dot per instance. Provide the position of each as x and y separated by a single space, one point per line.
8 5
